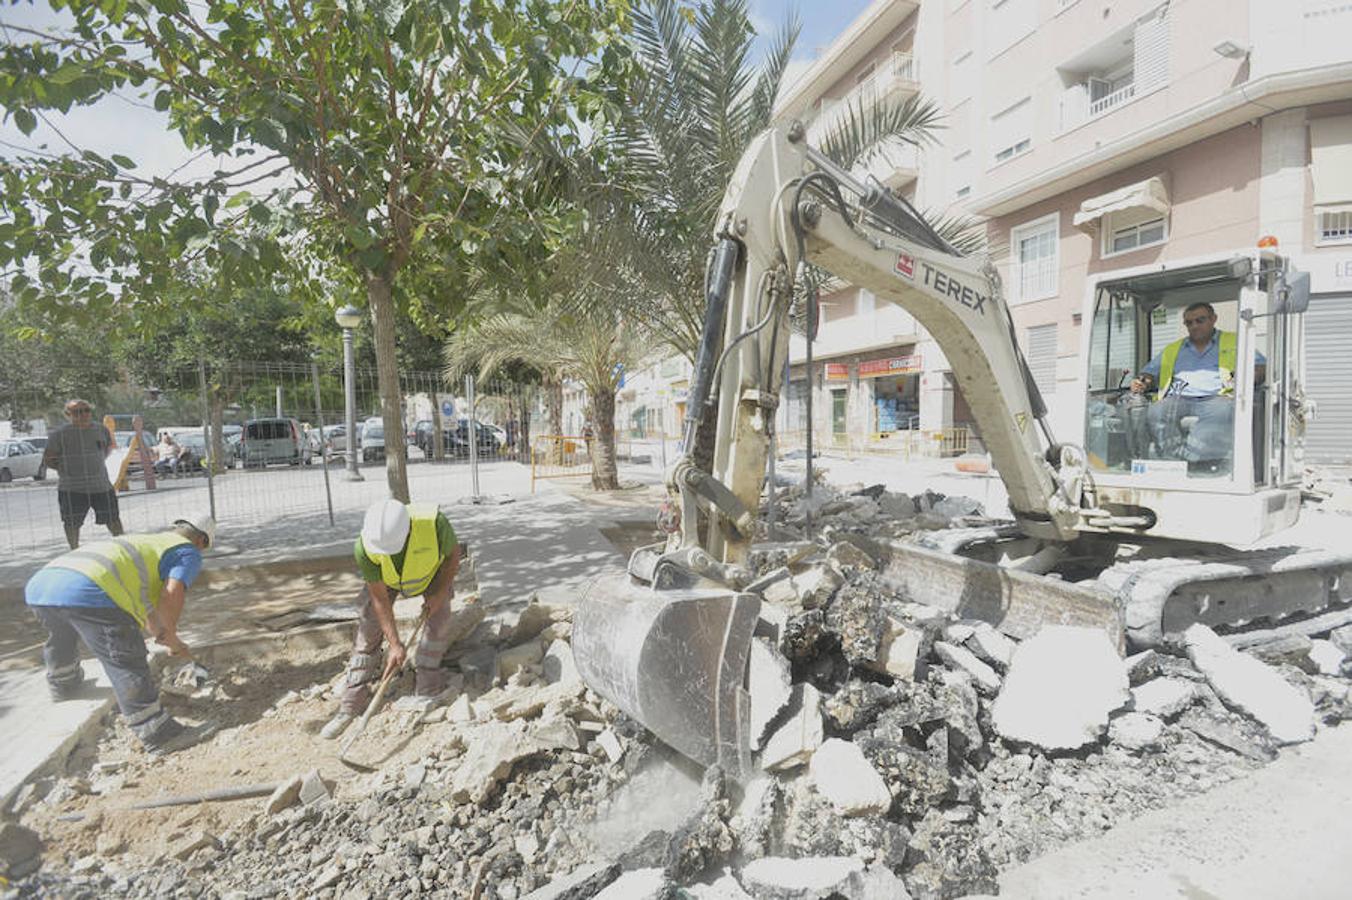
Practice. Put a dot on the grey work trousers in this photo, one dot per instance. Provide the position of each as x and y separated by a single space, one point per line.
114 638
364 665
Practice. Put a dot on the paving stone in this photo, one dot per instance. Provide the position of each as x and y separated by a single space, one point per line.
794 742
522 656
1250 686
809 878
845 777
1062 685
610 742
1164 697
986 678
903 649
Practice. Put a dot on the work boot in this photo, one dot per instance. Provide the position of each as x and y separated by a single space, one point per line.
174 736
337 725
67 690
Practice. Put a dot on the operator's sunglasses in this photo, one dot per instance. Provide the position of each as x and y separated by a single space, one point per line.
1196 321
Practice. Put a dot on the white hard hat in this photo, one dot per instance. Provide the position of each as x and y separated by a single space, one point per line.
201 520
385 528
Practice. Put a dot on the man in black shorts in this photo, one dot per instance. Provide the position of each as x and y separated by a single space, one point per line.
77 452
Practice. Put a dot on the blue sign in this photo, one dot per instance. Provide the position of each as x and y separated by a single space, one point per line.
619 370
447 408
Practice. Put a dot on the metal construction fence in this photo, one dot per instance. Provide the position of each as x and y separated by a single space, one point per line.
257 442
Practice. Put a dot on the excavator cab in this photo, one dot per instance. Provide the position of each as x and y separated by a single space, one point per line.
1225 422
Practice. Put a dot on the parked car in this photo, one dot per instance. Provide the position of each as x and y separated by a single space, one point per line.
20 459
122 439
273 440
487 440
39 442
372 439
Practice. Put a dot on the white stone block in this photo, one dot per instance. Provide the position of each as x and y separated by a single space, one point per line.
846 778
797 739
1062 684
1164 697
770 686
964 660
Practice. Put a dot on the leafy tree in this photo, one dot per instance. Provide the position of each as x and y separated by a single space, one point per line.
396 137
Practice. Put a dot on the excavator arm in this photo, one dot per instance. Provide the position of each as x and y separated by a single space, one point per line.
787 205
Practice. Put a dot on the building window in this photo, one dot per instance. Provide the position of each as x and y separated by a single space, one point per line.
964 191
1335 227
1133 230
1036 259
1012 130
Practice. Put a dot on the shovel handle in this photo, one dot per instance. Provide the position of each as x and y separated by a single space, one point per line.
380 691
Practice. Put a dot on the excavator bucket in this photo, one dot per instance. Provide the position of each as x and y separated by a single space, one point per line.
676 661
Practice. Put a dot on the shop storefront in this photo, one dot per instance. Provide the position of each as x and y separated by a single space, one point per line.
896 392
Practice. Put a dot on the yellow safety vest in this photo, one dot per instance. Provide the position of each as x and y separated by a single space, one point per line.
1226 355
127 569
422 553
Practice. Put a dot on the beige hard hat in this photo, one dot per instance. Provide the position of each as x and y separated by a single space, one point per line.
385 528
203 521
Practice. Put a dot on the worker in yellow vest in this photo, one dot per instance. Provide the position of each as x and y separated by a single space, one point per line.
105 594
1194 377
402 549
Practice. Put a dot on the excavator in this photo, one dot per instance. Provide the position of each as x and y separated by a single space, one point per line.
1132 529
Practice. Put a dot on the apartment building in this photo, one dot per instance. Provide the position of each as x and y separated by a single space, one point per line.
1094 138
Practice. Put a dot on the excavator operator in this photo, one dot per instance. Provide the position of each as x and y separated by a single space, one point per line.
1193 378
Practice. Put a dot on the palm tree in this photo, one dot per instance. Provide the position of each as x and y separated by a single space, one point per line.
694 108
593 345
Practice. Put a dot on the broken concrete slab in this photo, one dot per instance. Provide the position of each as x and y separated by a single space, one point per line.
845 554
609 741
1062 685
640 884
845 777
521 656
20 850
1327 657
313 789
492 749
725 887
962 659
1250 686
581 884
770 684
1290 649
903 649
190 843
1225 734
1136 731
815 586
287 793
794 742
991 646
1143 666
1342 639
808 878
558 663
1164 697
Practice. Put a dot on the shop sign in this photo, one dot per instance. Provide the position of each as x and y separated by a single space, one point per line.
897 365
837 372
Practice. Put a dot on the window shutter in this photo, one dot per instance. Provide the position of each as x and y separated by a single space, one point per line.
1042 357
1151 63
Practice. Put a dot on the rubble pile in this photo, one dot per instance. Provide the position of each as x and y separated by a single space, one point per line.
898 752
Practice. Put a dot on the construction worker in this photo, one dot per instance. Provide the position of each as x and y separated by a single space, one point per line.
409 550
105 594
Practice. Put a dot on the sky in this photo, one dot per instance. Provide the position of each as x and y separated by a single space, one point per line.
127 125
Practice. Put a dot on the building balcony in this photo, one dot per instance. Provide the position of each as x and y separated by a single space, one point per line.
893 79
1111 101
896 165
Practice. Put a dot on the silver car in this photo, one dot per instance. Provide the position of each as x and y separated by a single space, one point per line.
20 459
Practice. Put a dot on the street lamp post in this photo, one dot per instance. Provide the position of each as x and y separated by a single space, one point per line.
348 318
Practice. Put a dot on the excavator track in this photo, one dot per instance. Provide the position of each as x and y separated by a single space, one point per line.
1227 590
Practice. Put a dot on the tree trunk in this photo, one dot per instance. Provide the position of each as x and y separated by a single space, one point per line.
379 292
217 448
605 477
554 402
438 442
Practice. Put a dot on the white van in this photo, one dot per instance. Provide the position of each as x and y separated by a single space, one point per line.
274 440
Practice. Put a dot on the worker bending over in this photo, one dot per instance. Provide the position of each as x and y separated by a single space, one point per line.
402 549
104 594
